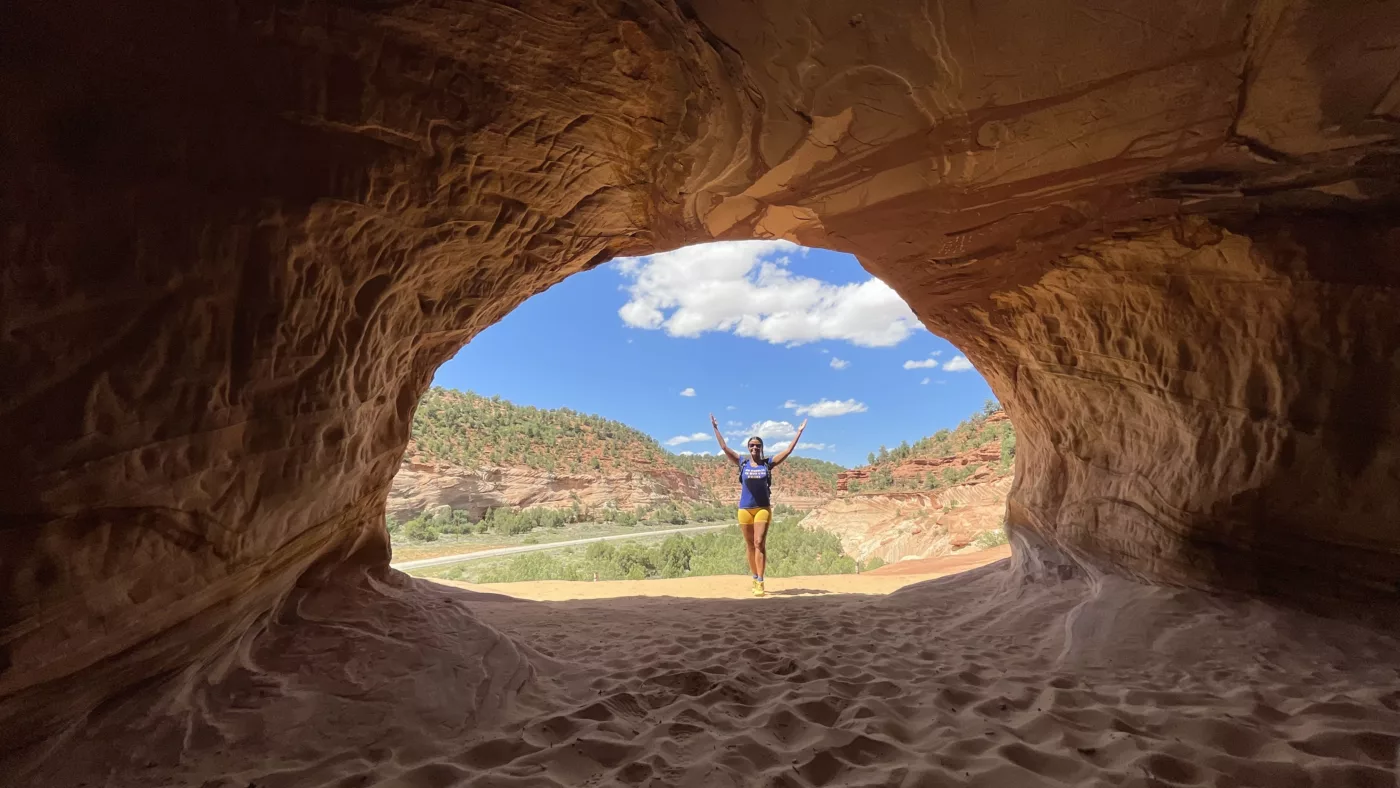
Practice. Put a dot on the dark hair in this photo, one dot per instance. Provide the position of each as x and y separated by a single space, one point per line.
760 444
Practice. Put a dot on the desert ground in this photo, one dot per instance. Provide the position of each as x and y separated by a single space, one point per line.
888 679
886 579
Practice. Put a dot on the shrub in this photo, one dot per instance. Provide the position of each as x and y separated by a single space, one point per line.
1008 449
989 539
420 531
792 550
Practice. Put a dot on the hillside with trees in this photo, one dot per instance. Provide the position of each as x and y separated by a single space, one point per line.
942 494
801 476
468 430
475 454
984 442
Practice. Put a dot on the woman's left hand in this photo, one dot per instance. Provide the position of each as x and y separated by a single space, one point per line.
801 426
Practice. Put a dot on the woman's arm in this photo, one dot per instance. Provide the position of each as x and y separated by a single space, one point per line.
728 452
783 455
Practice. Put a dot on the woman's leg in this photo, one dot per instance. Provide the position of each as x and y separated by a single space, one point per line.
759 545
746 528
749 547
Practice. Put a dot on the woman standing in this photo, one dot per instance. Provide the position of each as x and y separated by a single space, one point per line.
755 506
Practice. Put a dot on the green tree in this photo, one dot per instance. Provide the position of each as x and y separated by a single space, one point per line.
420 531
676 552
1008 450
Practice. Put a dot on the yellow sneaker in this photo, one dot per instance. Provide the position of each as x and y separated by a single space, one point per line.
758 588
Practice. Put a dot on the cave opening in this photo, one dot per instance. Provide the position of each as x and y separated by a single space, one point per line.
561 442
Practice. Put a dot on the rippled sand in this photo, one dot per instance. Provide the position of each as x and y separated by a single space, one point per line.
977 679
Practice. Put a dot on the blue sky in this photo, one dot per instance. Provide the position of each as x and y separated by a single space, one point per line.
762 334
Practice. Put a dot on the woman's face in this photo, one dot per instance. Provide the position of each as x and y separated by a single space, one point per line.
755 449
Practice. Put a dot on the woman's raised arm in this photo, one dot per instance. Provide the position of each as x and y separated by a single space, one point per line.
783 455
728 452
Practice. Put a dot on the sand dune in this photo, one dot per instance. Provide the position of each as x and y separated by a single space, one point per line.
972 680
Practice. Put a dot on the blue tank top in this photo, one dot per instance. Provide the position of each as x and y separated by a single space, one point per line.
755 481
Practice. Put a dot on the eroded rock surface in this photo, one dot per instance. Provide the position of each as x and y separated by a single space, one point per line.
898 526
417 488
240 237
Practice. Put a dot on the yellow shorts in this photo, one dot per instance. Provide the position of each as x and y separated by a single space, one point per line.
762 514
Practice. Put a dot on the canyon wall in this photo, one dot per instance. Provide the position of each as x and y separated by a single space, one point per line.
896 526
926 500
240 237
477 490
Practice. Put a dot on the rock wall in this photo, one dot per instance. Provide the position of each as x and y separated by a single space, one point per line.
896 526
477 490
240 237
1241 436
802 503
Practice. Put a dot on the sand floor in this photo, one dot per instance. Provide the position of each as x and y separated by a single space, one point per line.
978 679
884 580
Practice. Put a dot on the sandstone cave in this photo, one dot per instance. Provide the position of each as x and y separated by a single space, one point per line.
239 238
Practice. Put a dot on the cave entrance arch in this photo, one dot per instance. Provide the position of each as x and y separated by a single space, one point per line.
237 245
762 334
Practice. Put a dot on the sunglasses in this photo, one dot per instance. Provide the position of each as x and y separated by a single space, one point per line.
755 445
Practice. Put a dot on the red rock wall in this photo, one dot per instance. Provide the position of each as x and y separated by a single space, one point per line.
240 237
1212 410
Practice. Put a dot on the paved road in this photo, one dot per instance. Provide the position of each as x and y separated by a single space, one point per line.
423 563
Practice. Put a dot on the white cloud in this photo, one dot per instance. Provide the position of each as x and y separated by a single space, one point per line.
729 407
691 438
927 363
816 446
957 364
826 408
745 288
824 350
733 424
923 382
695 453
839 363
688 392
769 430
